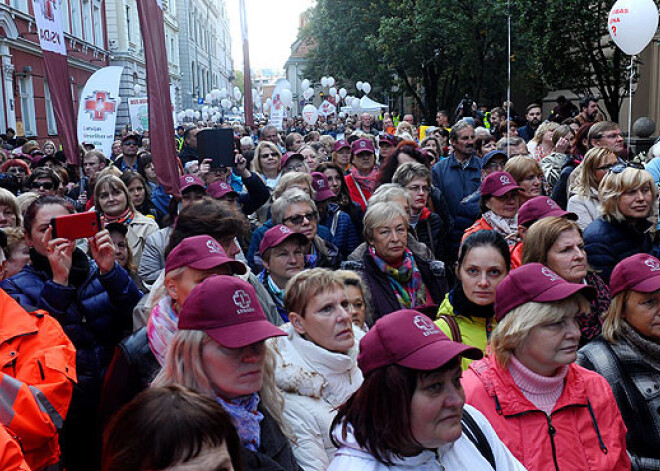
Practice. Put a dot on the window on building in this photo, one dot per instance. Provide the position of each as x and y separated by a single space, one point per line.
98 25
20 5
64 10
27 105
87 20
50 114
76 18
129 26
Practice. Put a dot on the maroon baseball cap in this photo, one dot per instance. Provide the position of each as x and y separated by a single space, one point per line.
218 189
411 339
187 181
534 282
498 184
201 252
640 272
228 310
341 144
362 145
541 207
290 155
321 187
388 139
278 234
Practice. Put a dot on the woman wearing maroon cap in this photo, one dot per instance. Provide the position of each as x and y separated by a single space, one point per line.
628 354
499 205
410 412
316 362
550 412
341 154
557 243
362 178
222 353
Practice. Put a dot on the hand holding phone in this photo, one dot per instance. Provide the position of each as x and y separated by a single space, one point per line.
76 226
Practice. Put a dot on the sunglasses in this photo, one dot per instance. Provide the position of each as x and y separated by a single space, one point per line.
299 218
16 170
44 185
130 143
620 167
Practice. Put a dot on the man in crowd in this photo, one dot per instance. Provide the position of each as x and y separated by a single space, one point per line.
564 110
128 160
533 116
83 193
365 124
588 110
442 118
189 151
607 134
458 176
497 117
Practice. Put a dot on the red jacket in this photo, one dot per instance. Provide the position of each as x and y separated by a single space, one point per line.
480 225
38 368
11 456
516 255
584 432
354 191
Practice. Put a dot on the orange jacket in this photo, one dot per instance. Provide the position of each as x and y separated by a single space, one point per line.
516 255
480 225
11 456
36 380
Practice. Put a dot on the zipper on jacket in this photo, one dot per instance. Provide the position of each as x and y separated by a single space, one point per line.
552 431
603 448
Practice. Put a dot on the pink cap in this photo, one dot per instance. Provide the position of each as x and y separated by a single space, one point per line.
228 310
411 339
186 181
201 252
640 272
362 145
321 187
498 184
218 189
278 234
341 144
541 207
290 155
534 282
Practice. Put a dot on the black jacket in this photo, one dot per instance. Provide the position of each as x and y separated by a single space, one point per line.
274 453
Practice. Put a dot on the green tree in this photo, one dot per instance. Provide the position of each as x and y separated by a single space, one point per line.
239 80
571 48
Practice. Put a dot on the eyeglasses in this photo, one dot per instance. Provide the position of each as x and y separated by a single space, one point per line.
295 167
299 218
493 166
608 167
130 143
265 156
45 185
419 189
16 170
614 135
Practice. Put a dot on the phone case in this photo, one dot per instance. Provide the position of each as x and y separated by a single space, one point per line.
76 226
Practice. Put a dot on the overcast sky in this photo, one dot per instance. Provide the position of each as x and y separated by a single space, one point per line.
272 27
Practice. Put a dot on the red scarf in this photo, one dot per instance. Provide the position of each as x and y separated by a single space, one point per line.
367 182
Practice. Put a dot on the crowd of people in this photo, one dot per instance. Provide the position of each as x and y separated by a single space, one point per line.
479 294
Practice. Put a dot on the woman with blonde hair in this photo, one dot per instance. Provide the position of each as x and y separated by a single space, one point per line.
584 203
556 242
562 142
527 172
541 144
222 353
628 198
266 163
548 411
359 300
10 213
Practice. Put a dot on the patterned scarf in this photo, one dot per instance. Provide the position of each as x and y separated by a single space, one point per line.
508 227
367 182
406 280
246 418
124 218
161 327
312 259
648 350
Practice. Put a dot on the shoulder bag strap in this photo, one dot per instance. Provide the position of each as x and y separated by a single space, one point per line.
454 329
476 436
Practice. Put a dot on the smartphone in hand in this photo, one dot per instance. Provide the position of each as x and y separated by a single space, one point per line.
76 226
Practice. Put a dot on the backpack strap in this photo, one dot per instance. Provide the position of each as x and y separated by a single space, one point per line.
454 329
477 437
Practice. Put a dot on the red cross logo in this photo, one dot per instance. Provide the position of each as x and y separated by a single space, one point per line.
99 104
241 299
48 8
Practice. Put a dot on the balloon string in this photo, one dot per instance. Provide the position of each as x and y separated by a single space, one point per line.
630 99
508 79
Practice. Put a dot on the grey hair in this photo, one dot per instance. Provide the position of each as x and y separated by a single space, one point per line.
409 171
387 192
289 197
453 134
379 214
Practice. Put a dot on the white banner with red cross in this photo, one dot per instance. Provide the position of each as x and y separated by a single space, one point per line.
97 112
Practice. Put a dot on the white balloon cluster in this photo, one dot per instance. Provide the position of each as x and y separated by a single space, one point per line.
364 87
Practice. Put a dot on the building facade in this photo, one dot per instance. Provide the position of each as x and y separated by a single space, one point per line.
204 49
26 104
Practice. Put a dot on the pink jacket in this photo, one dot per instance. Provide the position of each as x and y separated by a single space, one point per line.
584 432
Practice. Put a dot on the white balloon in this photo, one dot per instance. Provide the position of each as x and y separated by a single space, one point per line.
332 92
286 96
331 81
225 103
223 93
137 89
342 92
237 94
366 87
189 113
180 115
205 109
358 85
632 24
355 104
324 81
308 93
342 115
197 114
304 85
205 116
310 114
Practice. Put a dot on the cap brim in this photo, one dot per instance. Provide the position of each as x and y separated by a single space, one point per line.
563 291
184 188
504 190
244 334
324 195
438 354
649 285
207 263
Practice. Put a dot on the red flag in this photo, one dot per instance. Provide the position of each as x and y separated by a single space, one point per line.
161 124
51 39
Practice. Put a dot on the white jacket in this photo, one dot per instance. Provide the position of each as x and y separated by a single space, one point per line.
315 381
587 209
461 455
